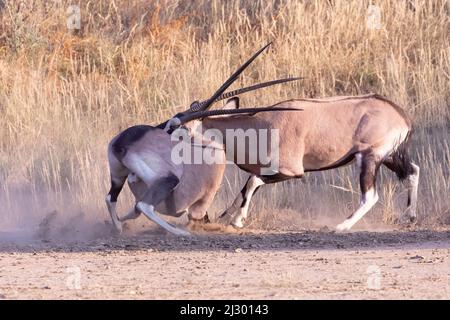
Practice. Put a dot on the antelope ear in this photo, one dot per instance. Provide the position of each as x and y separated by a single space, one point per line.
232 103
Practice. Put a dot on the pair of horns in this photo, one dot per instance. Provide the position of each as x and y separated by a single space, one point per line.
198 106
183 118
199 110
232 78
220 95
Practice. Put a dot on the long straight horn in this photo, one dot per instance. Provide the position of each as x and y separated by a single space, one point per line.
229 81
221 112
230 94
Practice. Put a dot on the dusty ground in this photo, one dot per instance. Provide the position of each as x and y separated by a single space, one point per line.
251 265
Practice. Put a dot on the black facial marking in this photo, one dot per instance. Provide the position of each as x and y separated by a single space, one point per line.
127 138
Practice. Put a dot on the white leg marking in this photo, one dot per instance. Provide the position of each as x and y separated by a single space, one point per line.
367 202
149 212
112 212
242 214
358 157
413 185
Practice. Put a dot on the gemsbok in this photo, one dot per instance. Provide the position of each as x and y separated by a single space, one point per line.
328 133
143 156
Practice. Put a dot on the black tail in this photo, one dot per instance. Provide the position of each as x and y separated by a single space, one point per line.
400 161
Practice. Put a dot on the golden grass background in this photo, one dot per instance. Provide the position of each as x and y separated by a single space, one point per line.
64 94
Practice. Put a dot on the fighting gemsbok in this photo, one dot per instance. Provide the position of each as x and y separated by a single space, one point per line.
329 133
143 155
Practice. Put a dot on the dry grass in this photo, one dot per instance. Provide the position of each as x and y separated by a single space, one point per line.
63 94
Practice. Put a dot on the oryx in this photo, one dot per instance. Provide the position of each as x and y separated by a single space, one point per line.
329 133
143 155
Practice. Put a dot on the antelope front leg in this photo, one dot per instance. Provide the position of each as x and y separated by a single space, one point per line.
111 205
250 187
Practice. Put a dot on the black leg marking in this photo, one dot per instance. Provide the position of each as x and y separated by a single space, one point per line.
369 170
115 189
238 202
401 165
244 202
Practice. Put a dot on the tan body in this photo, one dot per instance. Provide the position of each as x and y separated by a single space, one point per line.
198 182
324 133
329 133
147 165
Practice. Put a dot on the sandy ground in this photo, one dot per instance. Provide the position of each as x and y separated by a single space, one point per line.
218 265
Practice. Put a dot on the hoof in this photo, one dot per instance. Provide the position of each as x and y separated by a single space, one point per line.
238 223
342 227
118 229
408 219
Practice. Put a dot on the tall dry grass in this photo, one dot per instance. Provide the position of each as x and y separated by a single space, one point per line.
64 94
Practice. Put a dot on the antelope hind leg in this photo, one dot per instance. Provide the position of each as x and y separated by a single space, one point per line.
369 168
412 185
250 187
111 205
111 201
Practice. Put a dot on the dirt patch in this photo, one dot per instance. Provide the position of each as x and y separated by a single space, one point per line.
253 264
